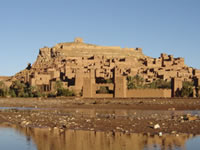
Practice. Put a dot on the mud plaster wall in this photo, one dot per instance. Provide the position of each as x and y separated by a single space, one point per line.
149 93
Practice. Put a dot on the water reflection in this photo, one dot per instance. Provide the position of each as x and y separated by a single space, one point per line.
55 139
11 139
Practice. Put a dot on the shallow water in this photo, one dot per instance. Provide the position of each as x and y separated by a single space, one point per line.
11 139
45 139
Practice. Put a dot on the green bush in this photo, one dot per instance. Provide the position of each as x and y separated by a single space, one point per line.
19 89
12 93
103 90
51 95
58 85
109 81
4 91
135 82
65 92
159 84
187 89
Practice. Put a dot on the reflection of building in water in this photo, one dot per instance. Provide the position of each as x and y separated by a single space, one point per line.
46 139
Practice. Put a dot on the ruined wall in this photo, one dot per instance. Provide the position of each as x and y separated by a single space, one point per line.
166 93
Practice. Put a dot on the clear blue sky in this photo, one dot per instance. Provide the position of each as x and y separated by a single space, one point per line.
170 26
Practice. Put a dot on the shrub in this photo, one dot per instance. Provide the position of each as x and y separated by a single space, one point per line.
4 91
65 92
109 81
135 82
187 89
51 95
103 90
18 88
160 84
12 93
58 85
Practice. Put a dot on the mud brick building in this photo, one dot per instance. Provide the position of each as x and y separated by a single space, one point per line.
85 68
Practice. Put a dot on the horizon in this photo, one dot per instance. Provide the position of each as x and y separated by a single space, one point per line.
157 27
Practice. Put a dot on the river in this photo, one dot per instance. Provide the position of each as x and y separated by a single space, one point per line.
18 138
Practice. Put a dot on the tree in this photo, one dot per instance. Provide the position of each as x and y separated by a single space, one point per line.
61 91
103 90
65 92
58 85
4 91
18 88
159 84
187 89
135 82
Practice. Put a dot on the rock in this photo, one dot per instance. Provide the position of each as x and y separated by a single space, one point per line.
173 109
88 120
173 132
157 126
160 134
188 117
192 118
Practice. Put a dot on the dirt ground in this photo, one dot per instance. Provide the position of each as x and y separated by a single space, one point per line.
149 116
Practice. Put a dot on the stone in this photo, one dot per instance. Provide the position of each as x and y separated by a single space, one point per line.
156 126
160 134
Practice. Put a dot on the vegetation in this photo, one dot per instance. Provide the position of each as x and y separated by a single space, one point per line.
3 90
109 81
65 92
20 89
137 82
198 91
187 89
103 90
61 91
159 84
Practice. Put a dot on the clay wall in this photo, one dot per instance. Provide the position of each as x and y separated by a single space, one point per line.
196 72
7 83
88 88
166 93
40 79
3 78
176 86
164 56
103 96
167 63
197 82
120 87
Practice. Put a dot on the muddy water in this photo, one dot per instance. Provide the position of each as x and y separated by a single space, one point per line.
18 138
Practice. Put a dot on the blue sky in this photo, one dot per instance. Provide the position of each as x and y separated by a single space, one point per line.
157 26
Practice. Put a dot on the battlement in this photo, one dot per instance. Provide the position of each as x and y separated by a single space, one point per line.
78 40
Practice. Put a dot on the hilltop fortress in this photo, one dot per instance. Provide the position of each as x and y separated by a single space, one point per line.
85 68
